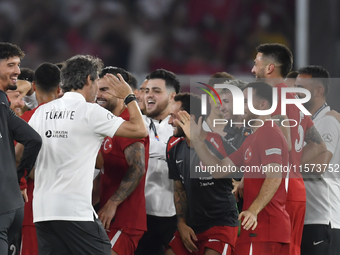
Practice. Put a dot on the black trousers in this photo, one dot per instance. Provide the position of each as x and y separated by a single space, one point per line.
72 237
10 225
316 239
159 234
335 242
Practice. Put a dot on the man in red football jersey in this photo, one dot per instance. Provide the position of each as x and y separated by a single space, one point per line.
263 157
46 87
272 64
122 179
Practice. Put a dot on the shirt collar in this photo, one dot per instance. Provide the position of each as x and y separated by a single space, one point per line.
322 113
74 95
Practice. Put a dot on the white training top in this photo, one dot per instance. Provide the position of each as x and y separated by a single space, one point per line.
159 189
72 131
323 202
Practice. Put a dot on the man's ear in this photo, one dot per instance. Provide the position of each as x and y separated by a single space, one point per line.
34 86
88 80
320 90
270 68
172 96
264 105
58 91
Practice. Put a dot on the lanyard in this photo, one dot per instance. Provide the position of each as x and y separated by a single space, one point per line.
153 127
318 111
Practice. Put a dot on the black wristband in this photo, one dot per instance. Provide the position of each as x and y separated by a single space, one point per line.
129 98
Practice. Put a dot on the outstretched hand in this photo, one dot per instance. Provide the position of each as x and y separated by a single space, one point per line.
118 87
192 130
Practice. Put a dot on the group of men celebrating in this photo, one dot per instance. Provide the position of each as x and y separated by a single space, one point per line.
147 146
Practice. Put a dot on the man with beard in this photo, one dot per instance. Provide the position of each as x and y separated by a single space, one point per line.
162 86
322 220
10 57
122 179
205 207
266 226
73 128
272 63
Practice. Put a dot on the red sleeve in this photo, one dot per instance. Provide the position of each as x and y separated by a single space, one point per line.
23 183
237 157
220 144
125 142
270 146
310 123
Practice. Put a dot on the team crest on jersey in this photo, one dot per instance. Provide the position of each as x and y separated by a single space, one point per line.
248 154
107 145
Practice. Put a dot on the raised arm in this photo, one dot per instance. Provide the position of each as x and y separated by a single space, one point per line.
196 139
135 157
134 128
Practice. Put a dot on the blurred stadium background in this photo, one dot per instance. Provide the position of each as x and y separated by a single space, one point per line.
188 37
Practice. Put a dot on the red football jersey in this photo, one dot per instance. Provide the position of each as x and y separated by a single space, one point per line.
28 215
296 186
131 213
266 145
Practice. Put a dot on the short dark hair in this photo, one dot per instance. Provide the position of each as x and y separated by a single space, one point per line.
191 103
59 65
279 53
8 50
292 75
115 70
171 80
220 77
133 81
26 74
75 71
319 73
47 77
262 90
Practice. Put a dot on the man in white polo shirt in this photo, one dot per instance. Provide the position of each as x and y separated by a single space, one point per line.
322 220
72 130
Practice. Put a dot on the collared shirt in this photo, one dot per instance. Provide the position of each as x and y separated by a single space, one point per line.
72 131
323 201
159 189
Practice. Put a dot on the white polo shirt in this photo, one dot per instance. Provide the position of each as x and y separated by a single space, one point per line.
323 202
159 189
72 131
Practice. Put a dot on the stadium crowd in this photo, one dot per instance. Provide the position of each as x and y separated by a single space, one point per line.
94 163
139 35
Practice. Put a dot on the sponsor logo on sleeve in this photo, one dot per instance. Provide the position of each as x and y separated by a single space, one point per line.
273 151
327 138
